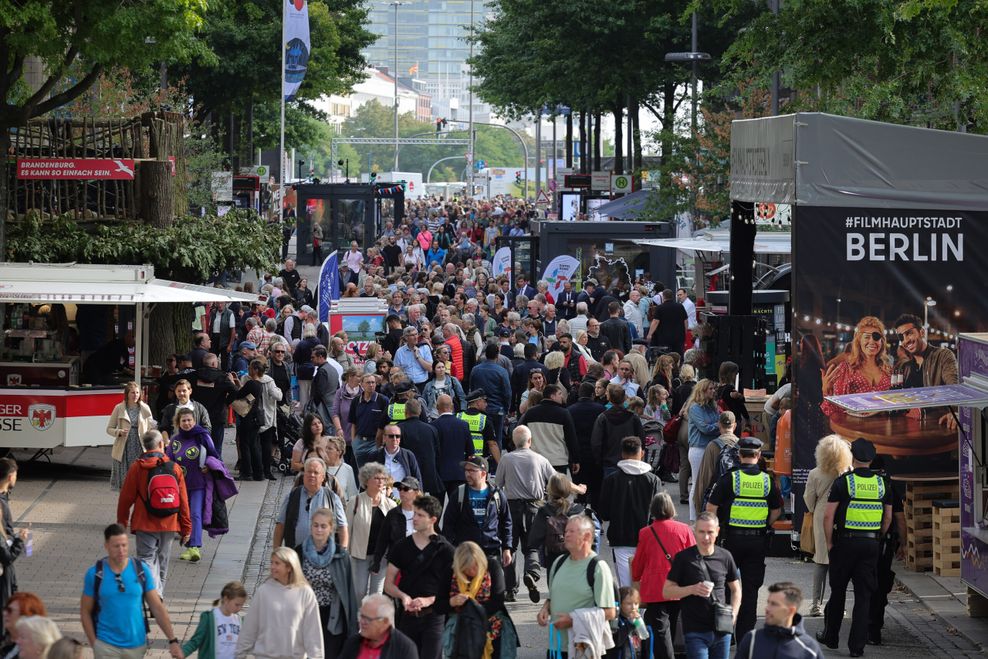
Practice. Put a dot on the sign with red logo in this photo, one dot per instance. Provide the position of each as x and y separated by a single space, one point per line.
41 415
75 169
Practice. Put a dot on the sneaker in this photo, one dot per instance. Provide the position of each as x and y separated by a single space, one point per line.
186 555
531 582
816 611
509 596
194 556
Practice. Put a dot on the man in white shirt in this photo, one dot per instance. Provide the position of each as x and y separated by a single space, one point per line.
690 307
354 258
632 311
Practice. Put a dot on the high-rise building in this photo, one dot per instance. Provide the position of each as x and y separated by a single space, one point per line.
433 49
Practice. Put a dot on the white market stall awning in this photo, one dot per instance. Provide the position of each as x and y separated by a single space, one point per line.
102 284
720 241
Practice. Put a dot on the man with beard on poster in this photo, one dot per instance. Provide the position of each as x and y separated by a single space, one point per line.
923 365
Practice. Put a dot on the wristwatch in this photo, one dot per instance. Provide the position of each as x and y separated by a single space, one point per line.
172 640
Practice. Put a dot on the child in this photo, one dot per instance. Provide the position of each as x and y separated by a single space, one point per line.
658 404
189 447
631 632
216 635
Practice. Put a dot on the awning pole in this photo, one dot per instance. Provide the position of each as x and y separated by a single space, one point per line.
139 342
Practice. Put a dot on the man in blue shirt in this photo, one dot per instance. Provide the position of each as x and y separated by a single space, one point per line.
414 359
493 380
479 512
113 618
367 411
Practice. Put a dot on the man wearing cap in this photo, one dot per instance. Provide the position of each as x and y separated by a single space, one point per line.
248 351
414 359
481 429
398 521
423 441
858 514
709 470
478 511
747 502
455 444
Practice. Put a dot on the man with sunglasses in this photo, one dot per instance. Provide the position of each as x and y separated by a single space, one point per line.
113 618
378 636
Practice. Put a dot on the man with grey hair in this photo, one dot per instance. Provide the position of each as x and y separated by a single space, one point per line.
292 526
153 534
414 359
377 635
579 322
523 475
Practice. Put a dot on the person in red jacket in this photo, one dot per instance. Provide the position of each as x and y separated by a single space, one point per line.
153 534
452 339
658 543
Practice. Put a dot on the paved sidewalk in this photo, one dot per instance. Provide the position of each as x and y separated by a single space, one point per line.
68 502
943 599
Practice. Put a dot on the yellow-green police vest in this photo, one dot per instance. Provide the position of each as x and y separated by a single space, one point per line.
864 510
476 422
396 412
749 510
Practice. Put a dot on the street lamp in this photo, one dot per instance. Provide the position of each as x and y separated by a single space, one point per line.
394 73
470 115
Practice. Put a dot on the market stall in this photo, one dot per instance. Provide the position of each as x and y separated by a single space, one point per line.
44 401
886 273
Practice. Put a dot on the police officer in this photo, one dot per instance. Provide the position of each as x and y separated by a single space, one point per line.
859 513
396 411
893 546
747 502
481 429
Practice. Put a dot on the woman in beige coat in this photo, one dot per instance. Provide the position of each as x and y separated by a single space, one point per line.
365 515
833 458
129 420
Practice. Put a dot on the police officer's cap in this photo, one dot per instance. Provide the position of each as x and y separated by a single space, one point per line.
403 387
862 450
750 444
475 395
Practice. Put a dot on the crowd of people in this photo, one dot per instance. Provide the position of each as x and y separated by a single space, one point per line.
474 454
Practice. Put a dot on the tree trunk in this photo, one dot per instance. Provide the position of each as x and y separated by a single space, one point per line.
170 322
584 151
596 141
634 112
618 167
631 138
4 191
569 139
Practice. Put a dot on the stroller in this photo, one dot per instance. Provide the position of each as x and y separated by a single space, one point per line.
661 454
289 432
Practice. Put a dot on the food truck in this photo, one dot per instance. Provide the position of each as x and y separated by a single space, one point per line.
887 276
44 402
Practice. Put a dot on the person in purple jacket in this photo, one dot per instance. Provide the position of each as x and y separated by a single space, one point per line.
189 448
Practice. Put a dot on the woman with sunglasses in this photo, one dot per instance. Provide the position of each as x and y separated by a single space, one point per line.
866 367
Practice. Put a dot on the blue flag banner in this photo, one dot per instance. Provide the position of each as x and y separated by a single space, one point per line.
296 45
329 285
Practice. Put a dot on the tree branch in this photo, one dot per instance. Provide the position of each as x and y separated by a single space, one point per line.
11 76
66 96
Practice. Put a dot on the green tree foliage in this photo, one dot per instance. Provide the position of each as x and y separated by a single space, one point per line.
84 38
191 249
921 62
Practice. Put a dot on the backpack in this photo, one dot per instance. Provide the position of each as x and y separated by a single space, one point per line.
556 529
296 328
728 460
591 576
163 497
141 579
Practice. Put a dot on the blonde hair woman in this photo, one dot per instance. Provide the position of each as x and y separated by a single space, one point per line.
128 422
475 578
701 414
867 367
35 634
833 458
283 620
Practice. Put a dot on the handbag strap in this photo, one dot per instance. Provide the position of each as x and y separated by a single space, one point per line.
706 573
662 546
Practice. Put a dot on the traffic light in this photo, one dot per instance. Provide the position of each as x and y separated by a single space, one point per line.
517 178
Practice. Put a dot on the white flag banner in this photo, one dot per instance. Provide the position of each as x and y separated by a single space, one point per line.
502 262
559 271
296 45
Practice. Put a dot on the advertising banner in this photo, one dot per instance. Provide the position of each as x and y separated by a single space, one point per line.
75 169
880 297
297 49
502 262
559 271
361 330
329 285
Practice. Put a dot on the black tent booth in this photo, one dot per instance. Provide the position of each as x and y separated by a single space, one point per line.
888 223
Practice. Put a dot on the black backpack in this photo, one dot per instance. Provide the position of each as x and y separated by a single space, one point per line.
591 576
728 460
141 578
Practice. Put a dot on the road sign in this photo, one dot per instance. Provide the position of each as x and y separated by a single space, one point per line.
600 181
620 183
543 199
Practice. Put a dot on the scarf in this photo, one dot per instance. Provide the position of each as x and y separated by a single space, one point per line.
470 590
319 559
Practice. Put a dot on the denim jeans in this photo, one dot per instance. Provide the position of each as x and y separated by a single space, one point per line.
707 645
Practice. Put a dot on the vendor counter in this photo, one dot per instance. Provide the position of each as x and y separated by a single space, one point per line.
42 418
45 374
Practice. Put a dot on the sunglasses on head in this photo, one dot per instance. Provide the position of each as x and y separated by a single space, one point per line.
875 336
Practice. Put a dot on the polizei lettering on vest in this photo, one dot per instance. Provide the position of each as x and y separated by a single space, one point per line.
905 247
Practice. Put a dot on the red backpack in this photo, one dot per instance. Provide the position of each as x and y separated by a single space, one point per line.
163 490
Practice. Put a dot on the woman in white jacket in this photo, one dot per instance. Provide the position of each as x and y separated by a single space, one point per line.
128 422
271 396
365 515
283 619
